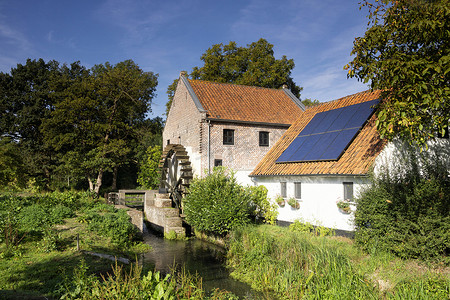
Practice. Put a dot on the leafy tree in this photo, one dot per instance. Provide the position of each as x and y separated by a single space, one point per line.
93 127
310 102
27 97
254 65
148 175
12 171
405 52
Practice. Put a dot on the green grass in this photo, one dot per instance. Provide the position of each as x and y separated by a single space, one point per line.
293 265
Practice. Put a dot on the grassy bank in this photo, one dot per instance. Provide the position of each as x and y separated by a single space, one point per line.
293 265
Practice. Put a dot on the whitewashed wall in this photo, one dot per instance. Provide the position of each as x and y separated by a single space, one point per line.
318 201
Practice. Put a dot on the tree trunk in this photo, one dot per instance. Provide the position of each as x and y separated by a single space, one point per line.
114 183
91 185
99 181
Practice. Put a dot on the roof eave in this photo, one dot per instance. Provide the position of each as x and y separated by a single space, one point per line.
248 122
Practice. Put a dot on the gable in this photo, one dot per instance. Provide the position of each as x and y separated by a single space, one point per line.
355 158
223 101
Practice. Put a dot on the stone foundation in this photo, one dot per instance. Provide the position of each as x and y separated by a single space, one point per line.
162 216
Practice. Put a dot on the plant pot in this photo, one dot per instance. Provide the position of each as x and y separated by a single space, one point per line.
345 210
281 203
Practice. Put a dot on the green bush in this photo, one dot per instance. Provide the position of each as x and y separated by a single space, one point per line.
407 209
217 203
261 206
116 226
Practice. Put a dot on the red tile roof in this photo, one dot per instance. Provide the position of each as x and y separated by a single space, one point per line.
245 103
356 160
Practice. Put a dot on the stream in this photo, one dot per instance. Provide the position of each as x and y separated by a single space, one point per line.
198 257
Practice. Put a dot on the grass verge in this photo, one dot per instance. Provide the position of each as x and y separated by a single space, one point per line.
295 265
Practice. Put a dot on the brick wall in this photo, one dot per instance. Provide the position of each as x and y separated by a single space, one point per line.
246 153
183 125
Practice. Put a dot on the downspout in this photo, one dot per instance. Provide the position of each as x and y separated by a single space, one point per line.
209 145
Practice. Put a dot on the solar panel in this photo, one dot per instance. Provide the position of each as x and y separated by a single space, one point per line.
328 134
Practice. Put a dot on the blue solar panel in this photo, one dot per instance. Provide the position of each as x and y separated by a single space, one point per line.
321 146
339 144
287 154
363 113
312 125
328 134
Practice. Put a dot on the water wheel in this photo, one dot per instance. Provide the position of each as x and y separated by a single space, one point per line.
176 173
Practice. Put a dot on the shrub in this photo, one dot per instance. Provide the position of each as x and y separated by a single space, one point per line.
217 203
116 226
262 207
407 209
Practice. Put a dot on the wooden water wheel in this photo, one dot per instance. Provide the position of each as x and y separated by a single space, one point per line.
176 173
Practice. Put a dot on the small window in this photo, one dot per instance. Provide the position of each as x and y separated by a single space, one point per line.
264 138
348 190
283 191
168 142
298 190
217 163
228 137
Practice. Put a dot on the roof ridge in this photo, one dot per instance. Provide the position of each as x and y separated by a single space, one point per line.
242 85
341 98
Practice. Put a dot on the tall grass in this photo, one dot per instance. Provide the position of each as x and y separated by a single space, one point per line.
296 265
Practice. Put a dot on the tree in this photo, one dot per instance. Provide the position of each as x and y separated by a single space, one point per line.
93 128
27 97
310 102
148 174
405 52
254 65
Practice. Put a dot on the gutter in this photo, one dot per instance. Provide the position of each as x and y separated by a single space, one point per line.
248 122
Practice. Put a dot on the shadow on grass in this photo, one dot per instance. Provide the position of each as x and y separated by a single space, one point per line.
41 277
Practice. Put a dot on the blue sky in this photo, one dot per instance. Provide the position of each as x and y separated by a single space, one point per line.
168 36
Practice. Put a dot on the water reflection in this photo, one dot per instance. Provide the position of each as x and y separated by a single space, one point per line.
203 258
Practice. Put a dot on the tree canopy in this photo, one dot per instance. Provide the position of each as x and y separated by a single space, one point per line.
405 52
254 65
75 122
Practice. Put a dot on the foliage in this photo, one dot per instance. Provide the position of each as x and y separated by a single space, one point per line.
405 53
148 175
92 128
115 225
297 265
254 65
217 203
407 208
290 265
262 208
343 204
293 203
302 226
280 201
12 170
62 125
310 102
131 284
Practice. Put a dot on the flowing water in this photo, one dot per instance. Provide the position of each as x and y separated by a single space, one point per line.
198 257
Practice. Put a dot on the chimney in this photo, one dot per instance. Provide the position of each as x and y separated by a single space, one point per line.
183 73
284 86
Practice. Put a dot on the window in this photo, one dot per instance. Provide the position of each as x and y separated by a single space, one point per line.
168 142
348 190
228 137
264 138
217 163
298 190
283 191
